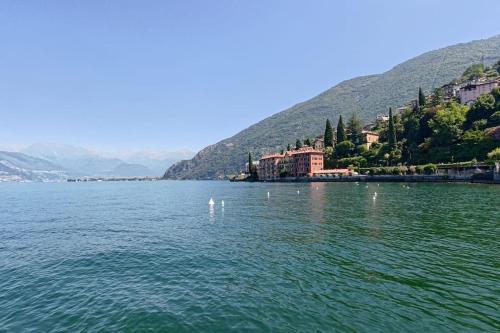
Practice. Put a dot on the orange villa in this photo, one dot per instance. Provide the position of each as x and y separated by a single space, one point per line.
303 162
268 168
296 163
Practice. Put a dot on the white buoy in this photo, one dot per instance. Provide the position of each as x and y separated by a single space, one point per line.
211 202
298 192
268 195
222 203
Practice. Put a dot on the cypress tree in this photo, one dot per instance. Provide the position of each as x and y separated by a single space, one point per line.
421 97
340 131
307 142
288 148
391 135
250 164
328 137
298 144
355 127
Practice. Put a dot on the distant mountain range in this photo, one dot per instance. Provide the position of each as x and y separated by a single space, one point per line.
366 95
52 162
16 166
82 162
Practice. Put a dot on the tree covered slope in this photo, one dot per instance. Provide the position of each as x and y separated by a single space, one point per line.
366 95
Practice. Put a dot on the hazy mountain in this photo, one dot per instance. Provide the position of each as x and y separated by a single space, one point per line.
21 167
366 95
156 161
131 170
78 161
83 162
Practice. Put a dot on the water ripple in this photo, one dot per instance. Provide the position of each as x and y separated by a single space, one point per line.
151 256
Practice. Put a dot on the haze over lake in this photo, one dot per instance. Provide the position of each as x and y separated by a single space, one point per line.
132 256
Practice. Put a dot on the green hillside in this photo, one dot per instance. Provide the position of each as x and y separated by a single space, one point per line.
367 95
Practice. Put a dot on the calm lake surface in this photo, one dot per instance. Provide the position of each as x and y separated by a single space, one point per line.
131 256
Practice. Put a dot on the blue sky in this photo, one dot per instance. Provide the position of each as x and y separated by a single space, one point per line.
185 74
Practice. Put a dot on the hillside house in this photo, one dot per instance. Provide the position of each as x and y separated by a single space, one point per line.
369 138
469 93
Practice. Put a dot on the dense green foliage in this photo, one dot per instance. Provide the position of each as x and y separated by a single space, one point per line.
298 144
367 95
328 136
449 131
437 132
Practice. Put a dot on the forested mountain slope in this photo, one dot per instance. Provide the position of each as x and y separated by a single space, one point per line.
366 95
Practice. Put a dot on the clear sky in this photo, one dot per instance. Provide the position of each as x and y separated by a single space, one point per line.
184 74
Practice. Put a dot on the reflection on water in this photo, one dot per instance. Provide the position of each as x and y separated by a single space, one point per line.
317 201
211 213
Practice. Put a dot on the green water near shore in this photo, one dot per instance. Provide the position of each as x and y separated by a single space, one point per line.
133 256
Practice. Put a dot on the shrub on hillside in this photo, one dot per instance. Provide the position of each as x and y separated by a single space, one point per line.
430 169
494 154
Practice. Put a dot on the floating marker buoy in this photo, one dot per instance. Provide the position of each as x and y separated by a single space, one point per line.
211 202
222 203
298 192
268 194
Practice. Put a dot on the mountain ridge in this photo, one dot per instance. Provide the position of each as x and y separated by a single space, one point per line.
15 166
366 95
79 161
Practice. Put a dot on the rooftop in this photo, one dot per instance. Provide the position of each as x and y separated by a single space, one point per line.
265 157
304 150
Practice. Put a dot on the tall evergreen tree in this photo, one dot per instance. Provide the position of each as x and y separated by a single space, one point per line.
298 144
289 147
341 136
391 135
355 126
421 97
307 142
328 134
436 97
250 163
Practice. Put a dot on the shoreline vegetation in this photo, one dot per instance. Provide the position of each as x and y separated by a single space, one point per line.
453 134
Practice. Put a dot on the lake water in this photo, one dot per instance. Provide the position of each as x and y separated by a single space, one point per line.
131 256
